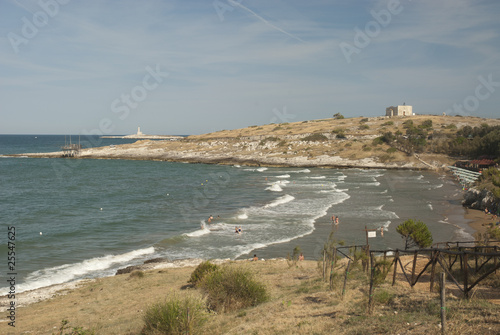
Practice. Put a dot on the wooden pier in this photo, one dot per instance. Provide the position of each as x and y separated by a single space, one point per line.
70 149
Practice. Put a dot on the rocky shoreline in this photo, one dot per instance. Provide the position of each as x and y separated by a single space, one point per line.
481 200
251 155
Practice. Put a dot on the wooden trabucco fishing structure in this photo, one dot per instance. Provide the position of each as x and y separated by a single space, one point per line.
71 149
460 263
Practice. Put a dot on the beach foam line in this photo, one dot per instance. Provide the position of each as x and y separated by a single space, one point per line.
275 187
199 232
243 216
280 201
70 272
318 177
283 176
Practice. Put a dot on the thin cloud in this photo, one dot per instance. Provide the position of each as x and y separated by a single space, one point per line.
265 21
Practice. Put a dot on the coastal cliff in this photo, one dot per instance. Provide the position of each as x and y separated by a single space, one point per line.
481 199
343 143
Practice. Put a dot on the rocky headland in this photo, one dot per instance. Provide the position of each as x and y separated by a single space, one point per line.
336 143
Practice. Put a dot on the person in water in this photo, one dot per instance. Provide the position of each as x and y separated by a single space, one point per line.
236 230
239 230
210 218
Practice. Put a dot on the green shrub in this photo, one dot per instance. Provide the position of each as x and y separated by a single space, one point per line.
230 289
136 274
315 138
338 116
339 133
363 120
201 271
175 316
391 150
388 123
415 233
383 297
364 127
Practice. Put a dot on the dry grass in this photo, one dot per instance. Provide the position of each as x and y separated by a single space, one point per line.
288 138
301 303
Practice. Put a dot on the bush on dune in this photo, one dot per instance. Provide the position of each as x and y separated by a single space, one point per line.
230 289
175 316
201 271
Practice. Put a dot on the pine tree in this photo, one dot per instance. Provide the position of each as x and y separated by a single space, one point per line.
415 233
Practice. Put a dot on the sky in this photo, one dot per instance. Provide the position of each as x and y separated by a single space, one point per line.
192 67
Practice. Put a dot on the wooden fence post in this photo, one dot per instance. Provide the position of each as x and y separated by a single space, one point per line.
331 267
324 262
396 257
466 276
372 271
442 278
433 269
345 278
413 268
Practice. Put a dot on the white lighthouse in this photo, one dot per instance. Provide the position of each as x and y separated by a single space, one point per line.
139 132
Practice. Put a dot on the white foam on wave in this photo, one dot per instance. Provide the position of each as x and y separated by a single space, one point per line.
200 232
283 176
280 201
430 206
69 272
243 216
318 177
262 169
275 187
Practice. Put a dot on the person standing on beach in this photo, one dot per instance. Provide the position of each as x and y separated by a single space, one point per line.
337 221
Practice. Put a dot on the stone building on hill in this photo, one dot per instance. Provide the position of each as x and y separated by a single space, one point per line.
400 110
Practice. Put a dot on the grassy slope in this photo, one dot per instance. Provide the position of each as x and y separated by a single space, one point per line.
287 138
301 303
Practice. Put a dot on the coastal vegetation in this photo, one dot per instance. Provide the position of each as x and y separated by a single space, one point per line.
299 302
415 233
175 315
201 271
232 288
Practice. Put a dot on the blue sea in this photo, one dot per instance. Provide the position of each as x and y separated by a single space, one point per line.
85 218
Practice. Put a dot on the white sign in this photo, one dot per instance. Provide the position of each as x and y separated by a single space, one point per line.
372 234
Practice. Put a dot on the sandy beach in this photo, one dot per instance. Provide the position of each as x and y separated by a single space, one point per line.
478 220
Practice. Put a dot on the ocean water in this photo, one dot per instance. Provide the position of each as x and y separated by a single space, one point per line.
87 218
